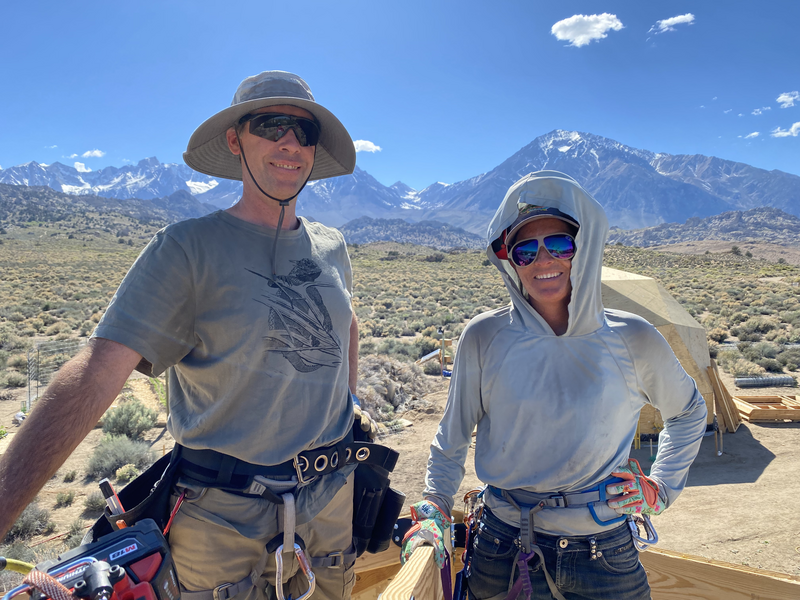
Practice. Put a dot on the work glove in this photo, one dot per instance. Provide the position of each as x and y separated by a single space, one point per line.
430 524
639 492
366 422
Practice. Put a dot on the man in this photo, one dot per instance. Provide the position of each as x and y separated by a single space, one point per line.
251 306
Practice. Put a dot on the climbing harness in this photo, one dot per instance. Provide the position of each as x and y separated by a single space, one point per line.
530 503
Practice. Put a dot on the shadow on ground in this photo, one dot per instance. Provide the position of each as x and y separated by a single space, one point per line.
744 458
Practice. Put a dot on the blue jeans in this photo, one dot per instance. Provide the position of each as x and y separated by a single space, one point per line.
615 574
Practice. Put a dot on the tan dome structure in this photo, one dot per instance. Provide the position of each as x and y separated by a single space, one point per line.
645 297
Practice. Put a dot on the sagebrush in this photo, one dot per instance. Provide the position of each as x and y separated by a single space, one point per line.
116 451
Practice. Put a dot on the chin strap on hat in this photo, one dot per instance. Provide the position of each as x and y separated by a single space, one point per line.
284 203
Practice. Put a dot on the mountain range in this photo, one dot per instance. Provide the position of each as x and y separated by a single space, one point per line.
638 188
758 224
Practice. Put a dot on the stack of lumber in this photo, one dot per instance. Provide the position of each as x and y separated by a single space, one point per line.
768 408
724 405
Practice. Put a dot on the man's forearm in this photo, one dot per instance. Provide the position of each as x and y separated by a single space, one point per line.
73 403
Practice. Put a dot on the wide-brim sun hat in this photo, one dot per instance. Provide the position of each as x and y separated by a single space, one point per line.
208 152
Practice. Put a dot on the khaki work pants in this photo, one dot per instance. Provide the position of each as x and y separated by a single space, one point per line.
219 538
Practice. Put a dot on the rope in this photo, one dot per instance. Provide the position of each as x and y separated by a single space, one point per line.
49 586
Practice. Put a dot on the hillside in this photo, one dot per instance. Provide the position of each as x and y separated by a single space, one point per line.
759 224
424 233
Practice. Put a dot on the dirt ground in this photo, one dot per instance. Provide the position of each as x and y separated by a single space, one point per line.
740 507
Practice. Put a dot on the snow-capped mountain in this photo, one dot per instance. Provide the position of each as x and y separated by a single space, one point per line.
146 180
638 188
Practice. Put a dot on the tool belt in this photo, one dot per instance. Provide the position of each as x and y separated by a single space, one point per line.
210 468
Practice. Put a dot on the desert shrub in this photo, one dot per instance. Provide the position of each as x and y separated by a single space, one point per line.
70 476
426 345
713 349
64 499
365 348
745 368
16 380
114 452
758 325
396 348
789 358
94 503
127 472
437 257
131 419
718 334
766 350
18 361
385 384
432 367
33 521
75 534
770 365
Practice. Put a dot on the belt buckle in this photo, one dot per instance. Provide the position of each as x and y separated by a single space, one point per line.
336 555
215 592
560 499
301 479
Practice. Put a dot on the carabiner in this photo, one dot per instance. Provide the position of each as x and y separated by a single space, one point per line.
305 566
640 543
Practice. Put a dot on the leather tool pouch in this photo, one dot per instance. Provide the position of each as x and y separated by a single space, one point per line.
146 497
376 506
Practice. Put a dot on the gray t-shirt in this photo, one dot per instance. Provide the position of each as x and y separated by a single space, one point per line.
261 362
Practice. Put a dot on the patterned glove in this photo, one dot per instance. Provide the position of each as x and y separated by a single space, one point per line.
639 492
368 425
429 527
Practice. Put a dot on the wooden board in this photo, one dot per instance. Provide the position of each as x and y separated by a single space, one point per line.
676 576
419 578
672 576
724 402
767 408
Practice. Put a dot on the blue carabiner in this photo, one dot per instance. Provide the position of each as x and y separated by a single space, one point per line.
601 489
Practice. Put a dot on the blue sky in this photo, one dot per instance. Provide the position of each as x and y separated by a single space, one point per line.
446 89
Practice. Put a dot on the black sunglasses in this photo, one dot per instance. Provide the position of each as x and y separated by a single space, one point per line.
558 245
273 126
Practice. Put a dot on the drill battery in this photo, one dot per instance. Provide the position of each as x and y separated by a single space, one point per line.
133 563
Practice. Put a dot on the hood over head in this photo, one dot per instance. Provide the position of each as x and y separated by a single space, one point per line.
552 189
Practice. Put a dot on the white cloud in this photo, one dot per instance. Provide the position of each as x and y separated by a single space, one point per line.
669 24
741 115
73 156
755 134
787 99
727 111
714 98
793 131
93 154
365 146
760 111
81 168
51 147
581 30
702 106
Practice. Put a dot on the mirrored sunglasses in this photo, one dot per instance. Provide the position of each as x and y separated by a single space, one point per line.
559 245
273 126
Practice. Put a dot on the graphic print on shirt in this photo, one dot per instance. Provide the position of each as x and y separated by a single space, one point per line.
300 325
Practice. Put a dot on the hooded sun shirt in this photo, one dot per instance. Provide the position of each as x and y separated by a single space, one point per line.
559 413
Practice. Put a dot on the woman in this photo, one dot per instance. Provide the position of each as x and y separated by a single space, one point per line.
555 383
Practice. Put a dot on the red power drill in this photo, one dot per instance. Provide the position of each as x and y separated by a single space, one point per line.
130 564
